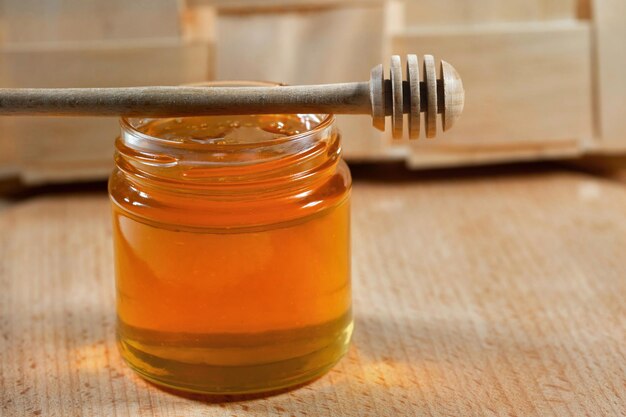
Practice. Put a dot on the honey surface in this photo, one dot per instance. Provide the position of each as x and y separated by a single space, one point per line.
233 309
228 129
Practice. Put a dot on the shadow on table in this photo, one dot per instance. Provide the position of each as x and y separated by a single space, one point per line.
388 359
398 172
392 172
225 399
15 191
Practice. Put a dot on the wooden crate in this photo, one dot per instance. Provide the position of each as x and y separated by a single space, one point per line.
77 43
540 84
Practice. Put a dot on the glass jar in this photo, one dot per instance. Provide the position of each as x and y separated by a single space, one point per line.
232 250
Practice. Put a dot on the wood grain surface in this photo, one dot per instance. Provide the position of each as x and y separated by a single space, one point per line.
480 295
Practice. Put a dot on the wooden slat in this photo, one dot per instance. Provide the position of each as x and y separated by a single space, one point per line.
495 295
101 64
65 149
253 6
446 12
610 35
53 21
528 91
443 154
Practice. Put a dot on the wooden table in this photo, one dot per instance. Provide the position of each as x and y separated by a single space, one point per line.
500 294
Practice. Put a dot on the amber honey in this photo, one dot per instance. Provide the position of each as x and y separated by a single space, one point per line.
232 248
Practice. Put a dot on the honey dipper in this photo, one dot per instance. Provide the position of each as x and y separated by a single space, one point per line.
378 97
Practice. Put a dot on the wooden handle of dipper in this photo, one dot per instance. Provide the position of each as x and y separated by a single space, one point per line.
378 97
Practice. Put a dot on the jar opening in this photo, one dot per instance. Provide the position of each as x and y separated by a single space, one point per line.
237 131
207 133
198 145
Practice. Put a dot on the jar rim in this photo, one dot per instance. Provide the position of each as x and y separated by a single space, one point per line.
126 124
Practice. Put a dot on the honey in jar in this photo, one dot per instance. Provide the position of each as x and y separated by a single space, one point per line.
232 250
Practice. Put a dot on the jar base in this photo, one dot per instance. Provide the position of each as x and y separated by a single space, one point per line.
252 365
